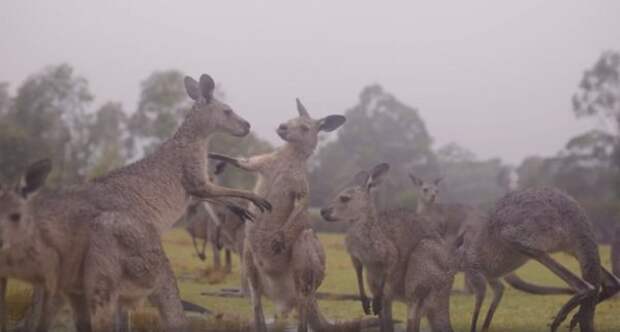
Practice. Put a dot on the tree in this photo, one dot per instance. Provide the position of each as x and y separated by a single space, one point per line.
163 104
469 180
5 99
599 89
108 139
380 128
454 153
49 119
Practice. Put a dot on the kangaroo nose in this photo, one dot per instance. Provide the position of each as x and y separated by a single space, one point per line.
325 212
282 127
247 125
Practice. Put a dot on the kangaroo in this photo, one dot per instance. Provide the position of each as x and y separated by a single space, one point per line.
405 258
283 258
532 224
23 253
615 252
106 233
203 226
452 220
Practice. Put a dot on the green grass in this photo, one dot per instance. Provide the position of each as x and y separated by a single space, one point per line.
517 312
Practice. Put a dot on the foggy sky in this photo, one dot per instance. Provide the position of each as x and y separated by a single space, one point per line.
494 76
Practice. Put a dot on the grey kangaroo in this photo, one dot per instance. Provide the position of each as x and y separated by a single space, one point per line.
532 224
404 256
203 226
283 258
452 218
106 233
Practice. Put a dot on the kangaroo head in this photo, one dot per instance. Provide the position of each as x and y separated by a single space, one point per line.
16 223
352 203
428 192
303 131
208 115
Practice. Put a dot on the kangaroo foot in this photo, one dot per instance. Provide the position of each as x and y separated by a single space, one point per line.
366 305
377 304
569 306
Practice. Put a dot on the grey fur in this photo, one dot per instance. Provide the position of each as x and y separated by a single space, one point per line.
102 241
451 221
404 255
531 224
283 258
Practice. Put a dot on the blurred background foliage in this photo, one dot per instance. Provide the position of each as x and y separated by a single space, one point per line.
51 114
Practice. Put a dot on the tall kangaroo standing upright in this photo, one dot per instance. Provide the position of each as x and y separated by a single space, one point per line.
283 258
405 257
532 224
106 233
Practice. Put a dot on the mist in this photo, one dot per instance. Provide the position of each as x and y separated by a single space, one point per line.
495 77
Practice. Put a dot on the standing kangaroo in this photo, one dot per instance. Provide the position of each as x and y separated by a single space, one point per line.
203 226
283 258
532 224
452 221
106 233
405 258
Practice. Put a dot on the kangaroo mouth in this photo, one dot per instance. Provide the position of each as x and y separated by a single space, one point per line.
243 132
327 216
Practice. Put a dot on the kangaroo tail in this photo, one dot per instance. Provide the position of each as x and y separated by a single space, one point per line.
524 286
320 324
192 307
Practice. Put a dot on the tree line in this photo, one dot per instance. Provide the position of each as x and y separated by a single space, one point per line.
51 114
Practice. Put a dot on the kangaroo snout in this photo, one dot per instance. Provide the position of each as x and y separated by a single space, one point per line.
326 213
282 130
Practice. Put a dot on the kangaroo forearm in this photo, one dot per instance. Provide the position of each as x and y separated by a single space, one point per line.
242 163
208 190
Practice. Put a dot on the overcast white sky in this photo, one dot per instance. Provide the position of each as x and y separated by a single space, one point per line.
495 76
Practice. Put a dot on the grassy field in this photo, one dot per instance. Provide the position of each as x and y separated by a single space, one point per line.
517 312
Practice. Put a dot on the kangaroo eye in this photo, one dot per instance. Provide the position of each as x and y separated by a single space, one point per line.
15 217
228 112
345 199
425 190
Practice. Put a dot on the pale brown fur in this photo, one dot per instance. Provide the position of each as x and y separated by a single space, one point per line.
106 233
404 255
283 259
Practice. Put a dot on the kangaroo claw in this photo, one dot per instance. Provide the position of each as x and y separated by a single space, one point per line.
366 305
377 305
262 204
221 157
241 213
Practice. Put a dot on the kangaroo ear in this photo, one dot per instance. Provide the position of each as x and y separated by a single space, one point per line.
331 122
207 85
35 177
191 87
360 179
301 109
437 181
377 174
416 181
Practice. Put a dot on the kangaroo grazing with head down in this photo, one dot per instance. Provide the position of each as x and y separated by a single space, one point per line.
106 233
405 258
283 258
452 219
532 224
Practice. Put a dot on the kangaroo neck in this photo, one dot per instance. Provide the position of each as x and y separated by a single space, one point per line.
297 151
